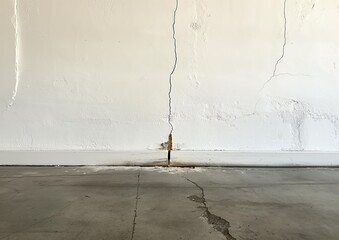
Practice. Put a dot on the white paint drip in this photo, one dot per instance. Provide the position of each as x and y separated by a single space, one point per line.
16 27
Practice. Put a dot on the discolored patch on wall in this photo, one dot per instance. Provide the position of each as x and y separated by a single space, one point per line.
195 26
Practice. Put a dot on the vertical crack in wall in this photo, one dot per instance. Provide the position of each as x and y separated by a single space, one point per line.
173 68
169 148
274 74
16 27
217 222
136 207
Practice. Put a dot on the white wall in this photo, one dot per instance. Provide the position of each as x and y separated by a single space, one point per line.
7 56
93 75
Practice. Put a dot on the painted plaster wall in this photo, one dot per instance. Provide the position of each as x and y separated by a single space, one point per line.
243 84
94 75
7 54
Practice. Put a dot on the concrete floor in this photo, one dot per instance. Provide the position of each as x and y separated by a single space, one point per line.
160 203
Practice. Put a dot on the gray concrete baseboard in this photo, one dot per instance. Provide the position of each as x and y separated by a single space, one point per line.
179 158
257 159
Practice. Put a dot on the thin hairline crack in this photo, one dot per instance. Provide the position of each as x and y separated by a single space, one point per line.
136 207
274 73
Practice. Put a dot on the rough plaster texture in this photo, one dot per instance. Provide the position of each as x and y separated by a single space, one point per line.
94 75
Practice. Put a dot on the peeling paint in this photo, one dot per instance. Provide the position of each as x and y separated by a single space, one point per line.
295 112
305 9
219 113
295 115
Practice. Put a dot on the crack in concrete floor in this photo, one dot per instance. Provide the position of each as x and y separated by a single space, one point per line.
220 224
136 207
